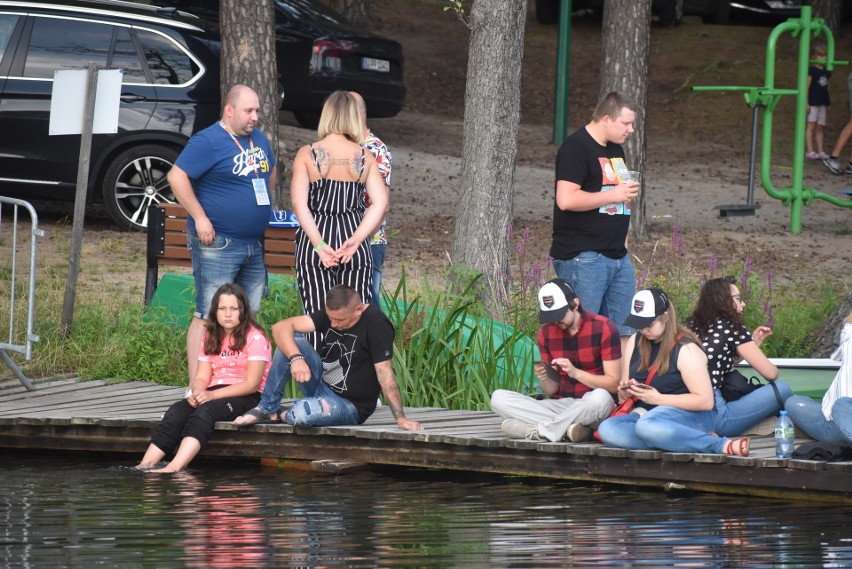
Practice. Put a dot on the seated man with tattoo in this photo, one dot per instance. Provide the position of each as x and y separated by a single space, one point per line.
341 382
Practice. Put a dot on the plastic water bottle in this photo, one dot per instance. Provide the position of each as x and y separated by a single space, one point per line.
784 436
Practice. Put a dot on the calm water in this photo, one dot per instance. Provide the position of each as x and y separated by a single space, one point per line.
83 511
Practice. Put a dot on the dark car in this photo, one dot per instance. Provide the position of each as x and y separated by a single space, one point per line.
170 89
669 12
319 52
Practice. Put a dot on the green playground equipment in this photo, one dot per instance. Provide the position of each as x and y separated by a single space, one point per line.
768 96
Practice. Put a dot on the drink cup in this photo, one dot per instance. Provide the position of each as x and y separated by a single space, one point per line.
633 176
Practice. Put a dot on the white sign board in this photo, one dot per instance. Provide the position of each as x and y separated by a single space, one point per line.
67 102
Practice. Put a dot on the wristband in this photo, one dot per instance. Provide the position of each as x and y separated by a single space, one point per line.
320 246
296 357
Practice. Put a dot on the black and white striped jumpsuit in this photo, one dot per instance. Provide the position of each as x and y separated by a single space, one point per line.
338 208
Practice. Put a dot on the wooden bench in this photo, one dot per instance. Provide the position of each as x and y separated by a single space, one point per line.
167 245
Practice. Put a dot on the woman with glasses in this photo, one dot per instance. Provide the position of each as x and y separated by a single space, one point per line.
665 370
718 321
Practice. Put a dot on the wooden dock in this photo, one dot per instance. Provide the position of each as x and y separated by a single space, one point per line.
100 416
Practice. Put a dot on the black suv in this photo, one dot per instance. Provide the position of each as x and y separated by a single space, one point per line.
170 90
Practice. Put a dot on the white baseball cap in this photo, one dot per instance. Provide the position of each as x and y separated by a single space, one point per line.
554 300
648 304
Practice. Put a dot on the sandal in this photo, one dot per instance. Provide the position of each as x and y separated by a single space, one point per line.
256 417
737 447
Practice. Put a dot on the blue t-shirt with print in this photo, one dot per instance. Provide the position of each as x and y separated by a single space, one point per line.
222 175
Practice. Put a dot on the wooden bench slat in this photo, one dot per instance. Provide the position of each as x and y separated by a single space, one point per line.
166 245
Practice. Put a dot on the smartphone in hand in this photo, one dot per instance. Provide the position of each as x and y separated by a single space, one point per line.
641 386
552 372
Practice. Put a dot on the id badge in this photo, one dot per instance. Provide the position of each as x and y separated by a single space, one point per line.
260 193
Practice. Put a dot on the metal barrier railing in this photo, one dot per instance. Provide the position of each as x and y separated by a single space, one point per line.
26 347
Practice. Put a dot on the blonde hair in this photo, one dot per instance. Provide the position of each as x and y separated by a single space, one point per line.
848 319
667 341
340 116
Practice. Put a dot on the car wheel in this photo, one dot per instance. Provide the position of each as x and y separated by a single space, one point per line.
135 180
307 119
671 13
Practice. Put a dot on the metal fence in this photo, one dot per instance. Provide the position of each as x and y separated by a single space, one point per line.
15 323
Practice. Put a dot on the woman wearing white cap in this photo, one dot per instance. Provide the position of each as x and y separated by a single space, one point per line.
666 371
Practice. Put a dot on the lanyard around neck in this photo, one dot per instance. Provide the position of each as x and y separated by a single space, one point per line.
249 157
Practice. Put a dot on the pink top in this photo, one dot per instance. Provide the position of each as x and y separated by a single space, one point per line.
232 367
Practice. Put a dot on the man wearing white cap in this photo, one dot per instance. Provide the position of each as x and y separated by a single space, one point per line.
579 372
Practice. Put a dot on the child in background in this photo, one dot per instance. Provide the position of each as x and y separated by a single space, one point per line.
833 162
818 102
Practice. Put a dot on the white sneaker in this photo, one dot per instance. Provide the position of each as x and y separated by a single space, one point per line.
517 429
832 165
579 433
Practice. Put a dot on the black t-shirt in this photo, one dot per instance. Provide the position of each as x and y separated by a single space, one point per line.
348 357
595 168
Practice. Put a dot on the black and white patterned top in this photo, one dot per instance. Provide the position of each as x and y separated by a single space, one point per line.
720 342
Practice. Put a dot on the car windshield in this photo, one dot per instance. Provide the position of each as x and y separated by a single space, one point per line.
313 11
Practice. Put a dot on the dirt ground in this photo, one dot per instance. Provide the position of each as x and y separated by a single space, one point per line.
697 156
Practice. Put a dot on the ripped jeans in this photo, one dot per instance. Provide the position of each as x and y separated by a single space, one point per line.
320 407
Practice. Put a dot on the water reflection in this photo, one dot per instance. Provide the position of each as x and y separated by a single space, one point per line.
82 511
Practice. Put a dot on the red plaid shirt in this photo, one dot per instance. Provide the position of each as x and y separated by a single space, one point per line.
595 342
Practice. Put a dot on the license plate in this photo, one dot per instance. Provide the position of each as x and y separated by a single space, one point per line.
380 65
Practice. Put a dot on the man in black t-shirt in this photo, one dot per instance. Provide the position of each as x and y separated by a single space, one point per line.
591 212
341 382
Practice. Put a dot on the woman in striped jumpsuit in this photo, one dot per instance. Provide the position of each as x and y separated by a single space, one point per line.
327 193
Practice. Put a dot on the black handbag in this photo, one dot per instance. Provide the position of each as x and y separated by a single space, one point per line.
736 385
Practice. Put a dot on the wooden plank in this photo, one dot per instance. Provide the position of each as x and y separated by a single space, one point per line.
111 417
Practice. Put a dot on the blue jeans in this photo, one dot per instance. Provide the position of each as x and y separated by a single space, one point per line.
807 415
378 251
734 417
321 406
665 428
605 286
226 261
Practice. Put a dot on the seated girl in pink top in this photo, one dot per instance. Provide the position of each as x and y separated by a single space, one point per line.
232 367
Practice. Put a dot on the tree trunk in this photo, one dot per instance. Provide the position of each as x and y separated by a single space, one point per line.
831 11
491 119
356 11
625 50
248 57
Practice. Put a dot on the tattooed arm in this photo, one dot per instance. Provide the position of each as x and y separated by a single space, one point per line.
384 371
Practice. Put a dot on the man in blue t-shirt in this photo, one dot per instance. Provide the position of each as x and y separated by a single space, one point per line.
591 212
224 178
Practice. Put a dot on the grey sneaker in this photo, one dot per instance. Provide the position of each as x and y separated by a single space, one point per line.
832 165
579 433
848 169
517 429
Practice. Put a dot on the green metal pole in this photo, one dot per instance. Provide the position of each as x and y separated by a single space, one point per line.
563 65
801 122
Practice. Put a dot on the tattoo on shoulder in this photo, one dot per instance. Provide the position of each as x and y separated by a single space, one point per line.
326 161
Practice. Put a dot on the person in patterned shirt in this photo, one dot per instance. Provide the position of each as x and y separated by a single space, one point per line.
579 372
718 321
384 160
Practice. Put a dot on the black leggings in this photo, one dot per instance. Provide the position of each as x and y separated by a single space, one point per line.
183 420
